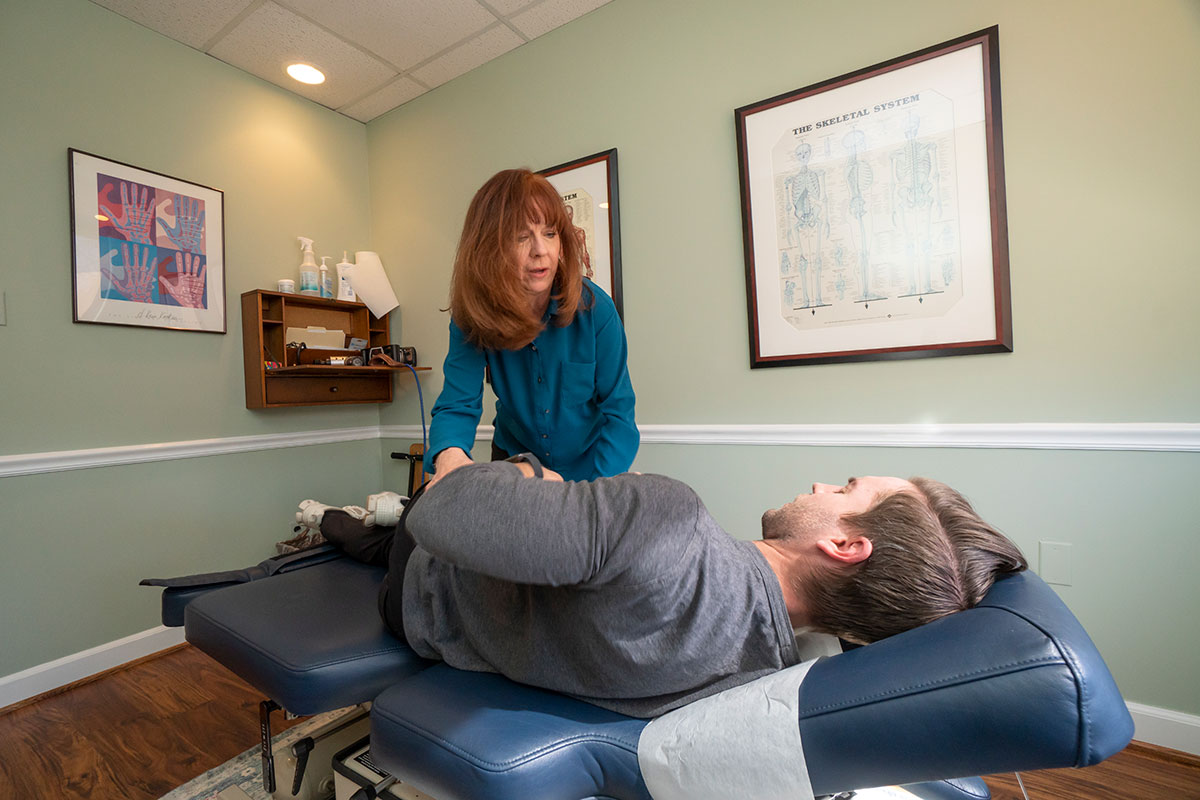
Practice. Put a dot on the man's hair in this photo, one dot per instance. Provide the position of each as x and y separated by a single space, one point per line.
487 299
931 555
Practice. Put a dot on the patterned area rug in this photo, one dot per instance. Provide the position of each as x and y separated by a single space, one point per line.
240 778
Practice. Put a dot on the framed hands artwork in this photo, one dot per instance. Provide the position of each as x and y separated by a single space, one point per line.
147 250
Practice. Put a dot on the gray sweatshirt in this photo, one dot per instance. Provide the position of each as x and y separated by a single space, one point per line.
622 591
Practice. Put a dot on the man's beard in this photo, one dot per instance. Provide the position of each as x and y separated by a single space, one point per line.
796 520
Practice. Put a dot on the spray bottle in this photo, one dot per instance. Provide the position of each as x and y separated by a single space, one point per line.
345 290
308 269
326 278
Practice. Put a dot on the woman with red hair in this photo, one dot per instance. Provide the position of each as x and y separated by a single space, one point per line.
547 339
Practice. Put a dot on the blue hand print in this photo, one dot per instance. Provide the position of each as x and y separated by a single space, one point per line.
189 224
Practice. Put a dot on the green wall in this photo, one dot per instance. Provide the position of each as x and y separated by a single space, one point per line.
83 77
75 543
1100 137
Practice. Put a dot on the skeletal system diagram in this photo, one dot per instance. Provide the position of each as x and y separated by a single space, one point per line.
866 216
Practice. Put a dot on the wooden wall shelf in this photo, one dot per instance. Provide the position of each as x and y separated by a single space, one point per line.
266 316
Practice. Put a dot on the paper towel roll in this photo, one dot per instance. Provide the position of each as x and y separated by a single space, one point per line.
370 283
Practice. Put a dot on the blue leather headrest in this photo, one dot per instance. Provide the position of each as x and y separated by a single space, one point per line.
1014 683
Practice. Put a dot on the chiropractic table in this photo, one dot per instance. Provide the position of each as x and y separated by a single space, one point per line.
1012 684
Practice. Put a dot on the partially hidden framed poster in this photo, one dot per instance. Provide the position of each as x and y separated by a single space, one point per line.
148 250
588 186
874 214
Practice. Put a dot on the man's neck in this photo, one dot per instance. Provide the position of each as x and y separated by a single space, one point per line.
784 565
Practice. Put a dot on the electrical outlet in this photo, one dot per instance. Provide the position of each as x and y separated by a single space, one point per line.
1054 562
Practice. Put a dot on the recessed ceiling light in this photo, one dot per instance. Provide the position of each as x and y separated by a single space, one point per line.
306 73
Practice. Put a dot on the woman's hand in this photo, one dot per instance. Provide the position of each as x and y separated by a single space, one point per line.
547 473
446 462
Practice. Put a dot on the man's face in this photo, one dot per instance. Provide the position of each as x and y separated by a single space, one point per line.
823 509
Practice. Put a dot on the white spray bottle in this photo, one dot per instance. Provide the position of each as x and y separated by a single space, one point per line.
345 290
308 269
326 279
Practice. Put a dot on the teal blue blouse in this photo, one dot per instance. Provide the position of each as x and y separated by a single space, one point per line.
566 396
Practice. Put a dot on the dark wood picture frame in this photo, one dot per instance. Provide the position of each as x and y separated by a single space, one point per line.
873 211
590 185
147 249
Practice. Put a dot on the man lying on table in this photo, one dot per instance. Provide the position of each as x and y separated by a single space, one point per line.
625 592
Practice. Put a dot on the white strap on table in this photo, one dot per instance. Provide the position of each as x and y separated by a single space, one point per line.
743 742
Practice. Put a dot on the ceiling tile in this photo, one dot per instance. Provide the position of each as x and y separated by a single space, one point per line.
467 56
507 7
395 93
550 14
187 21
402 32
271 37
376 54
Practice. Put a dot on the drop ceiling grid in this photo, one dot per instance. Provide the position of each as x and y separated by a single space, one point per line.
270 37
192 23
377 54
402 32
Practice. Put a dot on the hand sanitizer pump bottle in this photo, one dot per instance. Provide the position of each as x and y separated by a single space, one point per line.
345 289
308 269
326 279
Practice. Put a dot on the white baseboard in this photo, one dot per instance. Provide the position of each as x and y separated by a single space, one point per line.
1166 728
68 669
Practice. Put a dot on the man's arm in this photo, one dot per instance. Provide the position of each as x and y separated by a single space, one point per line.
492 519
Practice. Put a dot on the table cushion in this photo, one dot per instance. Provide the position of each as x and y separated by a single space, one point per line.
458 735
311 640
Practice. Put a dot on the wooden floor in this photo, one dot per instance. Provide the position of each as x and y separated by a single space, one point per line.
134 734
139 732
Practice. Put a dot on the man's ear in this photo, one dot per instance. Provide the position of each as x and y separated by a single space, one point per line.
845 548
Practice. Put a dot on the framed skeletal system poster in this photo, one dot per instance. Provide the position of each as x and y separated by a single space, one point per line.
588 187
873 212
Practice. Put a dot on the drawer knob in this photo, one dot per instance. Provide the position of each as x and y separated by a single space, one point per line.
333 388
